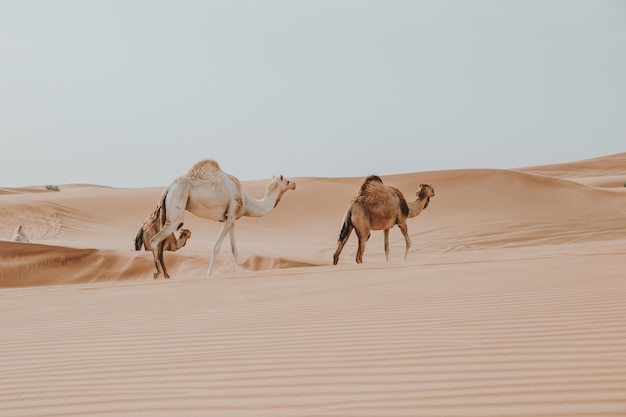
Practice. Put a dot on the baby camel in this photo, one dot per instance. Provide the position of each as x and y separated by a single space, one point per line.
380 207
150 227
210 193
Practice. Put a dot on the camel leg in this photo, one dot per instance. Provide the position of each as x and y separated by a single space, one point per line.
363 238
233 247
146 243
407 238
218 243
158 244
340 244
160 249
386 232
173 210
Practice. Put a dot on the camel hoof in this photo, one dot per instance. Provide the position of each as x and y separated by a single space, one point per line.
155 275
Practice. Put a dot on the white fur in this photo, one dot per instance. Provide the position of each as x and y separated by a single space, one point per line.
210 193
20 235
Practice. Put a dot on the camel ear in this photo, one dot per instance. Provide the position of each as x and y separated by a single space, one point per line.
282 178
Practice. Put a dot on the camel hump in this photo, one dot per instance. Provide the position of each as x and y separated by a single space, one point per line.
373 178
202 168
368 182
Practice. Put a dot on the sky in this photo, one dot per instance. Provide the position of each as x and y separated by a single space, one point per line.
131 93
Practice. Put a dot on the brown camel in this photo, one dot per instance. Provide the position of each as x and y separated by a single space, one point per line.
380 207
150 228
211 193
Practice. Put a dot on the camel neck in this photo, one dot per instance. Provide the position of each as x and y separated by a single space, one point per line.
417 206
258 208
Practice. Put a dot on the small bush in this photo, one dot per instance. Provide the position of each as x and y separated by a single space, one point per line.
52 188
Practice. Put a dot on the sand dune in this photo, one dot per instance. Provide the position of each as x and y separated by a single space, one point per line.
511 303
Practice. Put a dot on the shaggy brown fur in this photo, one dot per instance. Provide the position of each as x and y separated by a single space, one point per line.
380 207
150 228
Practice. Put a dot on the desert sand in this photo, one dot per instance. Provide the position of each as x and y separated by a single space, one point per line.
512 302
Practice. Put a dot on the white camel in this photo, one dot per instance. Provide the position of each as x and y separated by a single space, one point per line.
20 235
210 193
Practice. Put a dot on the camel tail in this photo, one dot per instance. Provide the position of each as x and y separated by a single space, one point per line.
347 226
344 234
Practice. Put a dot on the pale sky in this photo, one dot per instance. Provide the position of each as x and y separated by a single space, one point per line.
132 93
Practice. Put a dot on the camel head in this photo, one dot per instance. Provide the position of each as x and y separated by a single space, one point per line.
281 184
426 191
